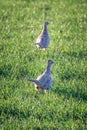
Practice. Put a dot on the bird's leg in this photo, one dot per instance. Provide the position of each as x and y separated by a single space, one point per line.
44 49
45 91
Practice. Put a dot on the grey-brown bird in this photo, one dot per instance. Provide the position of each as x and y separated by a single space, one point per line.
44 81
43 40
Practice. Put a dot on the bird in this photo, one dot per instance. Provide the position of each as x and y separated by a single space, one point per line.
44 81
43 40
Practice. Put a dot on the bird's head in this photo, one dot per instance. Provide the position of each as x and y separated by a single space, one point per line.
46 23
50 62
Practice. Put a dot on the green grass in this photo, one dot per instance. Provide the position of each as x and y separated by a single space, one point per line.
64 107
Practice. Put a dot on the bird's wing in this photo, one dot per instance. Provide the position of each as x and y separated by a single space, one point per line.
43 40
45 80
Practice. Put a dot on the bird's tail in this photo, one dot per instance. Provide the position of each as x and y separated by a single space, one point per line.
35 81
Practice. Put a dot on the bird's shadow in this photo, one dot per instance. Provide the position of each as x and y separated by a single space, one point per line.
78 93
80 54
70 93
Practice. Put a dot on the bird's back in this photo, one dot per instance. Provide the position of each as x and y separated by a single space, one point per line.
43 39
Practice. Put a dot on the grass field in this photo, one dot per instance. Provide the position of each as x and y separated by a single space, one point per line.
64 107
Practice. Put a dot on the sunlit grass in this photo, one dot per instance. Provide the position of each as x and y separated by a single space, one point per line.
64 107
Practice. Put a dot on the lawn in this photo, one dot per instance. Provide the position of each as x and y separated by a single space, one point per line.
64 107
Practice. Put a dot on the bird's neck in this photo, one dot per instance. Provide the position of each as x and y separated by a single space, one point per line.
48 68
45 29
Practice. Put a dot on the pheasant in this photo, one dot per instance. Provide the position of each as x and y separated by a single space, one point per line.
43 40
44 81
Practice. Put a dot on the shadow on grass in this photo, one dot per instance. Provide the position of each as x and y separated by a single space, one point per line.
5 70
71 93
79 54
15 112
75 74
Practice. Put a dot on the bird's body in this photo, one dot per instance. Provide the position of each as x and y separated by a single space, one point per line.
44 81
43 39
